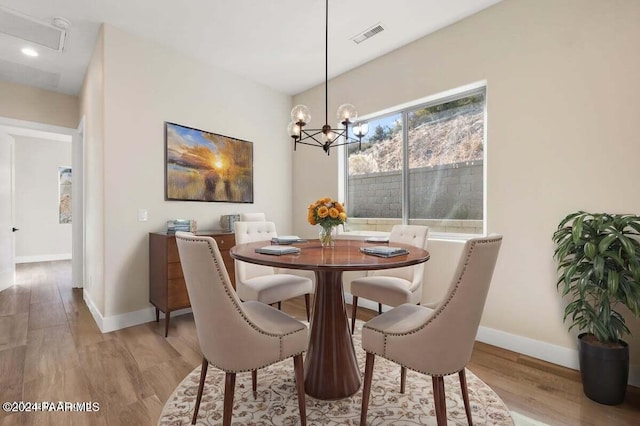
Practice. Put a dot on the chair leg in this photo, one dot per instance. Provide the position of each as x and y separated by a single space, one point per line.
203 376
354 311
465 395
254 383
302 405
229 388
439 400
307 305
379 308
366 387
403 378
280 305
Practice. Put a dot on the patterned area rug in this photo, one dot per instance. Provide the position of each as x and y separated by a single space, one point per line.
277 404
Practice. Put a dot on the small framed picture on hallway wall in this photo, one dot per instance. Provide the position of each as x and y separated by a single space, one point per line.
205 166
64 194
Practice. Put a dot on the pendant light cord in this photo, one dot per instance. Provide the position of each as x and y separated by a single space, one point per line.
326 65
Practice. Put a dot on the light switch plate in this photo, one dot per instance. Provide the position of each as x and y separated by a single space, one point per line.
142 215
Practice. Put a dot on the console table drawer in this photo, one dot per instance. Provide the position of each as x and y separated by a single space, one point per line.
178 296
174 270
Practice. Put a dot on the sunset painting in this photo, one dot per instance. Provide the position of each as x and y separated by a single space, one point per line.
203 166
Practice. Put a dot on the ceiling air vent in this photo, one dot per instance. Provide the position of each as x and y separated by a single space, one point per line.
32 30
368 33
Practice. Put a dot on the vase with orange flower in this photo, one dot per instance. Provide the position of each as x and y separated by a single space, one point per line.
327 213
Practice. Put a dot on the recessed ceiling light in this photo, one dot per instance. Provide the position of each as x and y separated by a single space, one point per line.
29 52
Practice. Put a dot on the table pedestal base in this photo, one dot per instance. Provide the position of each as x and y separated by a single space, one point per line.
330 366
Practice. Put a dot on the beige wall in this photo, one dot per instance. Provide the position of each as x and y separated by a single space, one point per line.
144 84
561 133
37 105
92 108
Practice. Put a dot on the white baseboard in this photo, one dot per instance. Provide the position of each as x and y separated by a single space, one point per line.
130 319
549 352
535 348
43 258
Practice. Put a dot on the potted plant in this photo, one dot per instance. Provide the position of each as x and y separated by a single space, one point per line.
598 257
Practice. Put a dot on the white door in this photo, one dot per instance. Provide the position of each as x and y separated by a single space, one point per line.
7 247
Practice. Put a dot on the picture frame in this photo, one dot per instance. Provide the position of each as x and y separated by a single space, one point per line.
65 182
206 166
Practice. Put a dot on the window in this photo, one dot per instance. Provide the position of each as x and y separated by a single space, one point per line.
421 165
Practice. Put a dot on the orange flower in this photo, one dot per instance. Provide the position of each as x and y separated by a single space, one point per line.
333 212
342 216
323 212
339 206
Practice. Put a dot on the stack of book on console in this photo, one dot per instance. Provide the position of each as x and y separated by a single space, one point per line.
278 250
384 251
287 239
184 225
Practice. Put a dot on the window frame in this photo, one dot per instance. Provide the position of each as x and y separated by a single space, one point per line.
476 88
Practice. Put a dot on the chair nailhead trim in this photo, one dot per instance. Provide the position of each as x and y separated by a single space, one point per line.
436 313
233 300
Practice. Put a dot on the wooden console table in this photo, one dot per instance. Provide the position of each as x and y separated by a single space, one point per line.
167 289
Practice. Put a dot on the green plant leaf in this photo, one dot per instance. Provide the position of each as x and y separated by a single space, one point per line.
598 265
576 232
613 279
605 243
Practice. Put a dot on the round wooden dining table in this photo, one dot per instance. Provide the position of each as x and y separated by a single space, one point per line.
330 367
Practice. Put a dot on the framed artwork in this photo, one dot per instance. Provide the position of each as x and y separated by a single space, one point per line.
204 166
64 194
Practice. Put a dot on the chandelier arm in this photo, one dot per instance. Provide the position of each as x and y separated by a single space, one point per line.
344 143
317 145
311 135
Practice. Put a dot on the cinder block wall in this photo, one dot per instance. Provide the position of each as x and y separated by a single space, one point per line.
452 191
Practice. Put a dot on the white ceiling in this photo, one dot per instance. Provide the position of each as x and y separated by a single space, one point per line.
279 43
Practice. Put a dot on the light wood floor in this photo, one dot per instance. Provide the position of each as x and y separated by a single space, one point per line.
51 350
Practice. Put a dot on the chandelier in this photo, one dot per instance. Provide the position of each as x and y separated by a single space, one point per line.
326 137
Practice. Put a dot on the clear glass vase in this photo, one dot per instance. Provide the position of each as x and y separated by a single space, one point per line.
327 236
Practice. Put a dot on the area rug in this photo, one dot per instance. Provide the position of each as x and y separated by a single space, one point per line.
276 402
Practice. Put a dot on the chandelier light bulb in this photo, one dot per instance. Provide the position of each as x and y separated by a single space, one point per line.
360 129
294 130
347 113
300 114
329 136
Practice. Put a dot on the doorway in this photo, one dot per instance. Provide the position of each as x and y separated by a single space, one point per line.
29 133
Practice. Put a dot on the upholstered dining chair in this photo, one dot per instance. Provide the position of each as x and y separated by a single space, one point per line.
396 286
263 283
435 342
235 336
253 217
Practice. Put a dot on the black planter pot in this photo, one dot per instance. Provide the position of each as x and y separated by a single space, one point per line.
604 371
